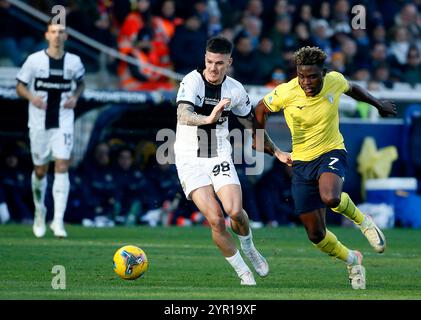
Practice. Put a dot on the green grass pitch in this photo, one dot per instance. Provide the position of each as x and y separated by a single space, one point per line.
185 264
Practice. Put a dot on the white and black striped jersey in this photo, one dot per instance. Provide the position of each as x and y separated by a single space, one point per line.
53 80
209 140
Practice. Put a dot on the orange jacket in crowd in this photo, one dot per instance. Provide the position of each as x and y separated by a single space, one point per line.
158 55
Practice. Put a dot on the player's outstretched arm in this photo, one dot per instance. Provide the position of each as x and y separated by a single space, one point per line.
261 114
384 107
269 147
187 116
23 92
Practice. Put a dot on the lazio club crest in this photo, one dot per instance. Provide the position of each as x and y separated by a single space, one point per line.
330 98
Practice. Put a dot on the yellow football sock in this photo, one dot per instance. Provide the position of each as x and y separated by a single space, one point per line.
333 247
349 209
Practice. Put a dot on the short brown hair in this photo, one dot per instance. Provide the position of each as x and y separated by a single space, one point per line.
310 56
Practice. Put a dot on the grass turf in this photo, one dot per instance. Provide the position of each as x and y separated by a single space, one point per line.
185 264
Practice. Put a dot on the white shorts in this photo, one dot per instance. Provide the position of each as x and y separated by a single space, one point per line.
51 144
199 172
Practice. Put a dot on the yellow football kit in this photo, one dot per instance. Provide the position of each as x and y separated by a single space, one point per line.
313 121
318 147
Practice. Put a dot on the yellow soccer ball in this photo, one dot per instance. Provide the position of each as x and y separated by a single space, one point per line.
130 262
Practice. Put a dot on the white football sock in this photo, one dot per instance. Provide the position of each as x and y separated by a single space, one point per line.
246 241
237 262
61 187
39 188
351 259
4 213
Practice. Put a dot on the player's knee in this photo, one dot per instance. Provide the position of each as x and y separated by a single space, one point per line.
61 167
237 216
316 236
234 212
40 172
331 201
217 223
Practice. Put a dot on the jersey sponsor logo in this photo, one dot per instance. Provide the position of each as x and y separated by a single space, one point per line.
300 107
200 98
47 85
270 99
211 101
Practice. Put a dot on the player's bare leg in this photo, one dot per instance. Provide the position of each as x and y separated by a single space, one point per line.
61 187
39 188
231 198
330 186
315 225
204 198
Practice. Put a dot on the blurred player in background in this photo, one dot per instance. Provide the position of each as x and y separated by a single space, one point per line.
52 81
319 158
203 153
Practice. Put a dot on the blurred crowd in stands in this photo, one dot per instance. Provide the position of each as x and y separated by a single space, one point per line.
121 183
172 34
118 183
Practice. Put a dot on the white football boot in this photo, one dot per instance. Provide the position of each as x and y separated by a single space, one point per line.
58 229
39 227
258 261
373 234
247 279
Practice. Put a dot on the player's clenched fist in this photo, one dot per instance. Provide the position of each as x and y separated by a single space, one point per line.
39 102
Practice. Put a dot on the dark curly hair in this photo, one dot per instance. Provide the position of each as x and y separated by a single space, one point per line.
310 56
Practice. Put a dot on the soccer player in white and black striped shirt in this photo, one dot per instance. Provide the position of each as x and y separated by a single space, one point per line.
203 154
52 81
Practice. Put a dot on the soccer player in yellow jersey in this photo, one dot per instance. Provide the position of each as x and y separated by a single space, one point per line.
319 158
